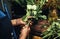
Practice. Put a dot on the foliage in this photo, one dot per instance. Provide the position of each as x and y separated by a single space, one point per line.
53 31
21 2
38 10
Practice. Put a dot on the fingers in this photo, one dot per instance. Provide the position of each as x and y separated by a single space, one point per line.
26 27
25 31
21 22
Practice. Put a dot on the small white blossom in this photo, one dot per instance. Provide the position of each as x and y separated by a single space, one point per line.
34 12
34 7
46 0
29 6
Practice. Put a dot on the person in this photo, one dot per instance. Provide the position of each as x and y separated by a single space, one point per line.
7 27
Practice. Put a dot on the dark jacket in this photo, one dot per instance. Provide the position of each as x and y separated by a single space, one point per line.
5 26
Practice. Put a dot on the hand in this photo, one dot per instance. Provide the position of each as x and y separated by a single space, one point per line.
21 21
24 32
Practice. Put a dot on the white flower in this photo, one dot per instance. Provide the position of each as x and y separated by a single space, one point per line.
34 12
57 23
34 7
29 6
46 0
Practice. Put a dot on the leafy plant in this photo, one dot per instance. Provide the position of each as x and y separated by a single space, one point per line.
30 12
53 31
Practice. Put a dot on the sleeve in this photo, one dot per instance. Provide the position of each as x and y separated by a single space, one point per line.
2 15
5 26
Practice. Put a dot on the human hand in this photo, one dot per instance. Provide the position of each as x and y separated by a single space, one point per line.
24 32
20 22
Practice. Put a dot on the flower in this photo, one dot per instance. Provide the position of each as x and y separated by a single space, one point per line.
29 6
35 12
34 7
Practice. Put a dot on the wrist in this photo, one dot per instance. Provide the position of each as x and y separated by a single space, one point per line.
22 36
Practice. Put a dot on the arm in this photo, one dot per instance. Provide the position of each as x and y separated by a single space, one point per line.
17 22
24 32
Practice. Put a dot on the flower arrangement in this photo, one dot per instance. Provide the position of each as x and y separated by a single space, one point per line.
34 9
